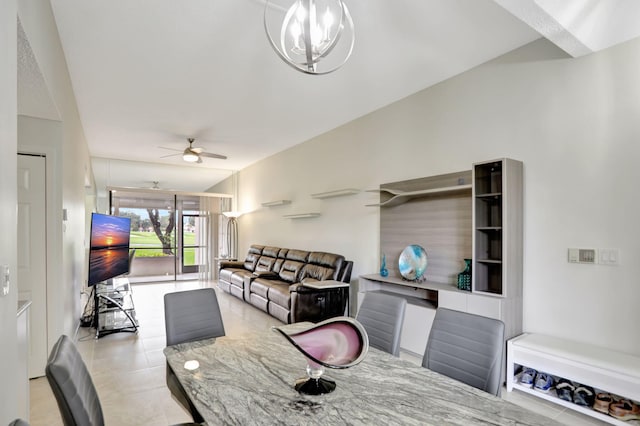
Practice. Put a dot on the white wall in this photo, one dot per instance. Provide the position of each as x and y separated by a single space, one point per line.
8 202
574 124
72 162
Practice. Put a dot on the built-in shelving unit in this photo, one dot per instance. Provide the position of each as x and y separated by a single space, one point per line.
335 193
276 203
497 227
301 215
454 216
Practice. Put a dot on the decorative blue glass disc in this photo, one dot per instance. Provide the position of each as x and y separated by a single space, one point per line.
412 262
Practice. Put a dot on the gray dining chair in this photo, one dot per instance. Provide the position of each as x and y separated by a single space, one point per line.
190 316
382 316
73 387
466 347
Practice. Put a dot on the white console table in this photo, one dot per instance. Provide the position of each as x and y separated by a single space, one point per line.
603 369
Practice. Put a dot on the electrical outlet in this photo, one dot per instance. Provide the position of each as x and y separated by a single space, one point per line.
588 256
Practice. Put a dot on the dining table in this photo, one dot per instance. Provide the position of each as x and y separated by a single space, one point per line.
249 379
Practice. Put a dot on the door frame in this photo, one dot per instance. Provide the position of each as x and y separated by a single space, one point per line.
54 236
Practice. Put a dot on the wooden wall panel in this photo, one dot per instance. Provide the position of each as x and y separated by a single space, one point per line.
441 225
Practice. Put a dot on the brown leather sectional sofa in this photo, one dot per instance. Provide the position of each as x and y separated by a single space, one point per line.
273 279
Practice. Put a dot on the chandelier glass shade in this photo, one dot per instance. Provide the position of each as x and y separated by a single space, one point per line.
312 36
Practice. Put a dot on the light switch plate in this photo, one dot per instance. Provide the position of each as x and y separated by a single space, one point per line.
6 279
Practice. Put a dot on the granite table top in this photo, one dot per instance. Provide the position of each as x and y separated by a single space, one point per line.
249 380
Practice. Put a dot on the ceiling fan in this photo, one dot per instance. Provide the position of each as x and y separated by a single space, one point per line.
194 155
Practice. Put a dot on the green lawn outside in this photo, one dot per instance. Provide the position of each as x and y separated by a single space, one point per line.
147 244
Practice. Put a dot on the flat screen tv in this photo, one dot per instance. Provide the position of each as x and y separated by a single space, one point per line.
108 247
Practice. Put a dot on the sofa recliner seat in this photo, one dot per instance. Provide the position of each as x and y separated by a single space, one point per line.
273 279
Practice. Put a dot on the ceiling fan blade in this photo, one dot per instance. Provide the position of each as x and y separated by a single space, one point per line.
209 155
197 150
170 155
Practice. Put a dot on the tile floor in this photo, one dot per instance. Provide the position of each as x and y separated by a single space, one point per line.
129 369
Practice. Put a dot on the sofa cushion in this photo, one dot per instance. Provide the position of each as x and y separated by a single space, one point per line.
270 251
260 286
237 278
279 294
225 274
279 312
298 255
265 264
252 257
290 270
282 255
259 302
326 259
317 273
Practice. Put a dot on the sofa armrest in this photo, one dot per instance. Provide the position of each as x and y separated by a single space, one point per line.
310 304
231 264
269 275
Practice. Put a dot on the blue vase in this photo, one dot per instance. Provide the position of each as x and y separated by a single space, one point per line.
383 267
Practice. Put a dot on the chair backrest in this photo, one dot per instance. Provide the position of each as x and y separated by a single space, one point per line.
466 347
192 315
72 385
382 316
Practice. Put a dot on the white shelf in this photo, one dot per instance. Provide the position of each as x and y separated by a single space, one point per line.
603 369
579 408
400 197
301 215
276 203
336 193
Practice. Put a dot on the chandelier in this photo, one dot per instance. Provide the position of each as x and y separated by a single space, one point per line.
312 36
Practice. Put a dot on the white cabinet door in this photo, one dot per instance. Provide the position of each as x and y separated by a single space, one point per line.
452 300
485 305
416 328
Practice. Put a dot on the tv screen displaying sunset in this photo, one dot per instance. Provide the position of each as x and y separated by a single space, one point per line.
109 247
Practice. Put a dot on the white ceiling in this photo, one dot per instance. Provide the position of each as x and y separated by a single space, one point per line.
150 73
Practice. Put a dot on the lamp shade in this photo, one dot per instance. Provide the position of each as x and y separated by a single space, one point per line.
232 214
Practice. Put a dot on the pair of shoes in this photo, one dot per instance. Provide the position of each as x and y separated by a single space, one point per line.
565 389
544 382
528 376
625 410
602 402
584 395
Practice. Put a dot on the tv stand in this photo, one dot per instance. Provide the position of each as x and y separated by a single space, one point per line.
114 310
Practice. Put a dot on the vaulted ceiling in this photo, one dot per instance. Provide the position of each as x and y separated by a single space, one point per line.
148 74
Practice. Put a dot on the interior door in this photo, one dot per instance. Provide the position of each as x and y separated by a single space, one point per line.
32 255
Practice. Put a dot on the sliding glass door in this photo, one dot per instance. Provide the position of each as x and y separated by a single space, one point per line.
170 232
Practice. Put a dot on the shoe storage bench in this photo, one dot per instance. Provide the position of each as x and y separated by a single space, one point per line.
600 368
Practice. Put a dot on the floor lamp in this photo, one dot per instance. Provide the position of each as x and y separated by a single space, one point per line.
232 233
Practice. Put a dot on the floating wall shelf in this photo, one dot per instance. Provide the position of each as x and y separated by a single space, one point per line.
276 203
336 193
400 197
301 215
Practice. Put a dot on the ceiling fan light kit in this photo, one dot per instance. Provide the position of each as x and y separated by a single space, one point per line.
190 156
194 155
312 36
